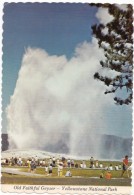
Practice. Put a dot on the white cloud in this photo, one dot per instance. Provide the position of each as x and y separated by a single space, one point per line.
103 16
57 100
123 7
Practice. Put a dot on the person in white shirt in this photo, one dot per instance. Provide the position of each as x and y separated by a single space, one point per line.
110 167
60 169
68 174
46 169
19 161
101 165
40 163
116 167
69 162
50 161
97 164
43 162
83 165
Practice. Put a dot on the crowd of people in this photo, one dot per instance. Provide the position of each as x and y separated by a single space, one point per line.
60 163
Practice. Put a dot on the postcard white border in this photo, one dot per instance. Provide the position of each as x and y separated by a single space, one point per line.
8 189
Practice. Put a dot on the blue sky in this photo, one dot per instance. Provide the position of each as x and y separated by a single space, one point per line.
57 28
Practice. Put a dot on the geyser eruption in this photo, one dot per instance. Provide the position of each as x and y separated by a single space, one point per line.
57 105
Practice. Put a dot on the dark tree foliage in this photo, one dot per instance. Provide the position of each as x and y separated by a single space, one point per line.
118 52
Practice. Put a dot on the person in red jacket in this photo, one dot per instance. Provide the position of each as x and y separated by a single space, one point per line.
125 166
108 175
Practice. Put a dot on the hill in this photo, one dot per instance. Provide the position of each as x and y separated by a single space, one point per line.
110 147
114 147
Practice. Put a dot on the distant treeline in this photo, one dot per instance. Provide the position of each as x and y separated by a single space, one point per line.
4 142
111 147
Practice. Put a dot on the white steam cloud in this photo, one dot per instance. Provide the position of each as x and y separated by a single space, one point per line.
57 104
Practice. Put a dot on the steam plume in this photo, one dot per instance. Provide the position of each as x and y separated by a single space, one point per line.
56 101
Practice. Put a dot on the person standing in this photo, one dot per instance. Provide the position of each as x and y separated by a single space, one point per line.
53 161
29 165
60 169
46 170
108 175
69 163
125 166
19 161
50 168
33 166
97 164
36 160
91 162
15 160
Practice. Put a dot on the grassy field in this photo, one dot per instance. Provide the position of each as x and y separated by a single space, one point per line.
24 180
80 177
79 172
